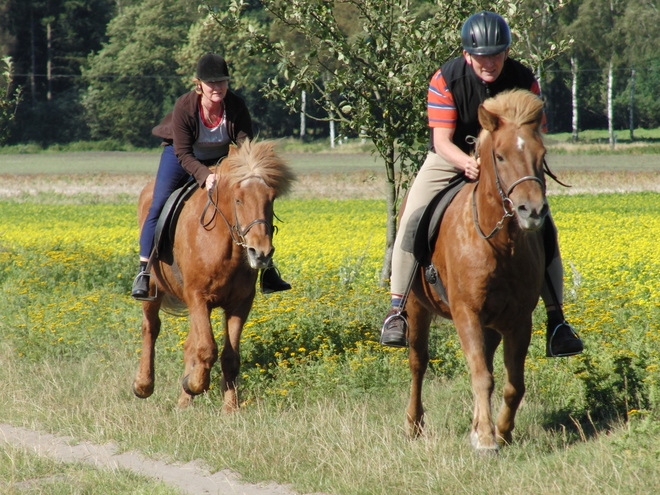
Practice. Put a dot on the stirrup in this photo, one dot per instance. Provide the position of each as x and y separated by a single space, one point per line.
147 297
391 325
550 353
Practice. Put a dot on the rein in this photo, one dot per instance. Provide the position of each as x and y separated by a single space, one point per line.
507 204
237 234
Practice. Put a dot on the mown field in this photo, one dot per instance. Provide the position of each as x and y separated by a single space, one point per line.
323 403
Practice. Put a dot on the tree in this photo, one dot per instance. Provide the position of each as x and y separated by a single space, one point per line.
370 74
133 79
48 42
598 29
9 99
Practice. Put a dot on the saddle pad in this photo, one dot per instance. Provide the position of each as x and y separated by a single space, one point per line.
424 224
165 227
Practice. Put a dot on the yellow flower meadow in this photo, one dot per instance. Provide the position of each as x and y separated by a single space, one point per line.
66 272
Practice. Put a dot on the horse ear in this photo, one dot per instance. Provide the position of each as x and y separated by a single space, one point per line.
488 121
233 149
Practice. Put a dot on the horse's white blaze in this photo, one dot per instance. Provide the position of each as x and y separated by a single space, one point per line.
521 143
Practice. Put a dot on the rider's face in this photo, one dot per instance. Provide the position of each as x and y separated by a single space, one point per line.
487 67
214 91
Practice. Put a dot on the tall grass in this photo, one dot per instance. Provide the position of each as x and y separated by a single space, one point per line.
322 402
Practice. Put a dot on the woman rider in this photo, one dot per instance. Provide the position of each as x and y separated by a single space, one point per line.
196 134
455 93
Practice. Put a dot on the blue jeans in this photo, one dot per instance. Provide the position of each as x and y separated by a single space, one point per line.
170 176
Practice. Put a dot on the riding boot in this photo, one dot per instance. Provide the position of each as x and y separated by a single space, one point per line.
271 281
395 326
561 339
140 289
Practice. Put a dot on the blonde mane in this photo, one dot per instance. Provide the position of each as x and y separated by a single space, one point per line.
518 106
258 159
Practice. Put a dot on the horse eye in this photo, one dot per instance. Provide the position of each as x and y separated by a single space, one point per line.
500 158
238 201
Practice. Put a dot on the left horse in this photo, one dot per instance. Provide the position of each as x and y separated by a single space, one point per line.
222 239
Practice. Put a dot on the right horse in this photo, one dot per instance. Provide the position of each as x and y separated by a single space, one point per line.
489 254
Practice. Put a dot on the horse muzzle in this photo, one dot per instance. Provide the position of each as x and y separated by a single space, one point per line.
259 258
531 214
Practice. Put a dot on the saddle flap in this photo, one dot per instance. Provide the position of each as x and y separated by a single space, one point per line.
424 224
165 227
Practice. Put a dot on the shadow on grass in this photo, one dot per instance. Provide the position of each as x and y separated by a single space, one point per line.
582 427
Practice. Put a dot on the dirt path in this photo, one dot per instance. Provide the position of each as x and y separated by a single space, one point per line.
190 478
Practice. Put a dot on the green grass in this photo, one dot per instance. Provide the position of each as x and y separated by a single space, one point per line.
601 136
322 402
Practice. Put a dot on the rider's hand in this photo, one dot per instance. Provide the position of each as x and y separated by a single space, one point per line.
211 180
471 168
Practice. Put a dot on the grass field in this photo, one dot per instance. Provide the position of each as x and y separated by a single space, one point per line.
323 403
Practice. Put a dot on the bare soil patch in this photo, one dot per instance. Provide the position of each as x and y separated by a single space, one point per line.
191 478
359 184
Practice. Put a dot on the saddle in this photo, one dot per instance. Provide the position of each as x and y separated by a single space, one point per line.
166 225
422 231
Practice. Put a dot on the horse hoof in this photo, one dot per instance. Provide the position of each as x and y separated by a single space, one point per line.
142 393
483 448
186 386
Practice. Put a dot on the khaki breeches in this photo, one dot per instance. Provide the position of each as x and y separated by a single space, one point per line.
434 176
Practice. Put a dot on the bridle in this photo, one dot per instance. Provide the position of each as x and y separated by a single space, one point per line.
507 203
237 233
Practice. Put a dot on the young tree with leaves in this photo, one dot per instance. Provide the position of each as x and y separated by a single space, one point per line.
370 76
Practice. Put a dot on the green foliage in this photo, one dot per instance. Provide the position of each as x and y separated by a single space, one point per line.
132 80
9 99
49 42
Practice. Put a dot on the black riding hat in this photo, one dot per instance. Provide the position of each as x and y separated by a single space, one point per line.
485 33
212 68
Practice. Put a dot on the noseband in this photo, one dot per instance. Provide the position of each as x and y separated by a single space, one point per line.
507 203
237 233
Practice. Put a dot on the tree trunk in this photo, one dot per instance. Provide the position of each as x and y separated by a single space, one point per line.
303 105
610 109
33 82
49 63
332 130
632 105
574 99
390 232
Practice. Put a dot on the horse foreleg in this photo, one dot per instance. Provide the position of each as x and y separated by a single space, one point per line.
515 352
143 385
477 349
200 353
419 321
230 359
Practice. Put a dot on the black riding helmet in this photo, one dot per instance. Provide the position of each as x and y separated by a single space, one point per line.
485 33
212 68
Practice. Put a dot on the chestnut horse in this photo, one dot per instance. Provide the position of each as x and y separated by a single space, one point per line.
221 241
489 254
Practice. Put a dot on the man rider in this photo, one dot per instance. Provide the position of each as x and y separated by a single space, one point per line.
455 92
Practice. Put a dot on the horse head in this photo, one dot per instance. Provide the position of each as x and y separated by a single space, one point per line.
256 175
511 141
